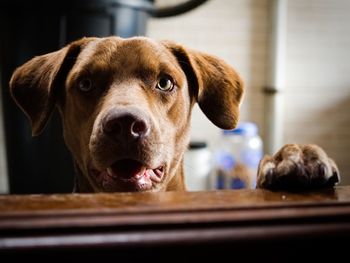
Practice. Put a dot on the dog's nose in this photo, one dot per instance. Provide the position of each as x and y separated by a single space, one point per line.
125 124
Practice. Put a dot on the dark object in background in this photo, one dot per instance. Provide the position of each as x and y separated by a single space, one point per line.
29 28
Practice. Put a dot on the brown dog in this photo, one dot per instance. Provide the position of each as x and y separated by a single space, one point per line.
126 106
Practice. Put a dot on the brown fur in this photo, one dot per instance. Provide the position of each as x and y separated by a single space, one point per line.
297 167
124 74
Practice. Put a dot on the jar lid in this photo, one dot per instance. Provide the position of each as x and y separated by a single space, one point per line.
244 128
197 145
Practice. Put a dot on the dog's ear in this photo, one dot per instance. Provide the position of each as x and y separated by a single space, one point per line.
215 85
36 84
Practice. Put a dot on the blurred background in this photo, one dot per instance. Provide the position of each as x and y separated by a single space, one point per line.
293 55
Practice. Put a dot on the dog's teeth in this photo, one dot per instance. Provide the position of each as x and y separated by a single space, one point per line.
110 172
155 176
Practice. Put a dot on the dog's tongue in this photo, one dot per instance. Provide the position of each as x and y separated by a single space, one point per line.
126 169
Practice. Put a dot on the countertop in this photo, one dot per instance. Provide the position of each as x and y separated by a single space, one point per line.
206 222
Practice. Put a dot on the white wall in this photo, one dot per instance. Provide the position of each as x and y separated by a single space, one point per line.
317 91
318 77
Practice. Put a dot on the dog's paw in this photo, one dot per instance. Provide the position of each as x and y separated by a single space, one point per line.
297 167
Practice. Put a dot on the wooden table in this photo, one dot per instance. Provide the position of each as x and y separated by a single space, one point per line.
182 226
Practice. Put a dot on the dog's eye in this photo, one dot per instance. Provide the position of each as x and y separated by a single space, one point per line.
85 85
165 84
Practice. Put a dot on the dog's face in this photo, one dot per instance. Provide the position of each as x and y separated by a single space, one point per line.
126 106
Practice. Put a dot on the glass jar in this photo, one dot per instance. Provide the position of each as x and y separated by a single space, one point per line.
237 157
197 166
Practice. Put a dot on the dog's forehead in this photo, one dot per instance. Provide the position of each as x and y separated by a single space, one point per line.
126 54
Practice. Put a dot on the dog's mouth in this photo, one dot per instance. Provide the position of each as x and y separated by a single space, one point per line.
128 175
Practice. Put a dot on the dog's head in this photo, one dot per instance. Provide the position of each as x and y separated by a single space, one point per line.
126 106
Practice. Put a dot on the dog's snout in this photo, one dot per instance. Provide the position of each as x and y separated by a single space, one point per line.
125 124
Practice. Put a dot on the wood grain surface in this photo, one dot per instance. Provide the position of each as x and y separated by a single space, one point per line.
193 222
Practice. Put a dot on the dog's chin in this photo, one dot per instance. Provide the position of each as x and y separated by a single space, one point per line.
127 175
